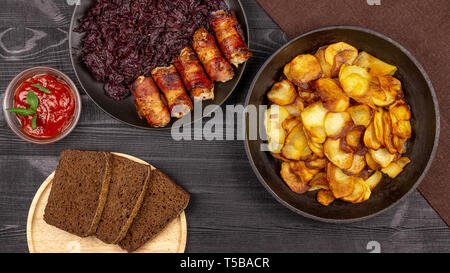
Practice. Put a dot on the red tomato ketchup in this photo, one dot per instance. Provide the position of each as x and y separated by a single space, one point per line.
54 112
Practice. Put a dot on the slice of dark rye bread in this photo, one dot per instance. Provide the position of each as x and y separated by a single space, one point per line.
79 191
163 202
126 192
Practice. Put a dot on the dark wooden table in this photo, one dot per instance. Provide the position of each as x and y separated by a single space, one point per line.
230 210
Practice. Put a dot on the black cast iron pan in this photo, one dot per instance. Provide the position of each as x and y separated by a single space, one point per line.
419 94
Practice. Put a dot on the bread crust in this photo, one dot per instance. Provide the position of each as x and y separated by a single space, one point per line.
103 194
127 190
135 211
163 202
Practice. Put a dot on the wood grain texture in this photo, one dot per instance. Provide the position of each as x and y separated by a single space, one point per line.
230 211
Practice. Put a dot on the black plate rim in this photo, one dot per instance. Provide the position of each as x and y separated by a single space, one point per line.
418 181
193 120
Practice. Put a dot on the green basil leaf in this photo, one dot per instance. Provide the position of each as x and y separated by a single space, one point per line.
41 88
33 122
32 100
22 111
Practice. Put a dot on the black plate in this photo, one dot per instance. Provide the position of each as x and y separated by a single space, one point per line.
419 94
125 110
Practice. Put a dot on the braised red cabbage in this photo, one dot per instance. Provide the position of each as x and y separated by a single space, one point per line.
128 38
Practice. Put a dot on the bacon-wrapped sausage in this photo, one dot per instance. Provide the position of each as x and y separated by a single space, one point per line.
217 67
194 77
172 87
149 103
230 37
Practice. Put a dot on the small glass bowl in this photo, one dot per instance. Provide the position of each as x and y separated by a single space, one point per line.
8 102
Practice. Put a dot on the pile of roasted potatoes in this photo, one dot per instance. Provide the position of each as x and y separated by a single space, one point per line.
337 122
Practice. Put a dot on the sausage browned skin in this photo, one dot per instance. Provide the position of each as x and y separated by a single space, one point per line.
230 37
149 103
194 77
172 87
217 67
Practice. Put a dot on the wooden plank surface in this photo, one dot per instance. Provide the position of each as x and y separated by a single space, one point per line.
230 210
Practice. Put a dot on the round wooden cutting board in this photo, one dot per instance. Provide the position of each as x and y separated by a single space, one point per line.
44 238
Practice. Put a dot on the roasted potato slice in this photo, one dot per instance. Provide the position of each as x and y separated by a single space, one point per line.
334 153
305 173
399 144
296 146
335 124
320 181
274 117
363 196
313 189
290 123
385 90
295 108
334 49
274 147
354 138
355 82
367 192
358 191
273 120
293 181
403 161
343 57
308 96
370 139
282 93
331 94
311 157
303 69
361 114
382 157
402 129
316 148
373 180
392 170
355 86
326 67
345 147
313 120
375 66
400 111
358 164
378 96
378 125
317 134
391 86
280 157
400 115
314 115
387 133
317 163
340 184
325 197
371 162
347 70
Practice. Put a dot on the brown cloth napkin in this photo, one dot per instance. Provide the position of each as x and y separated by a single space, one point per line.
421 26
